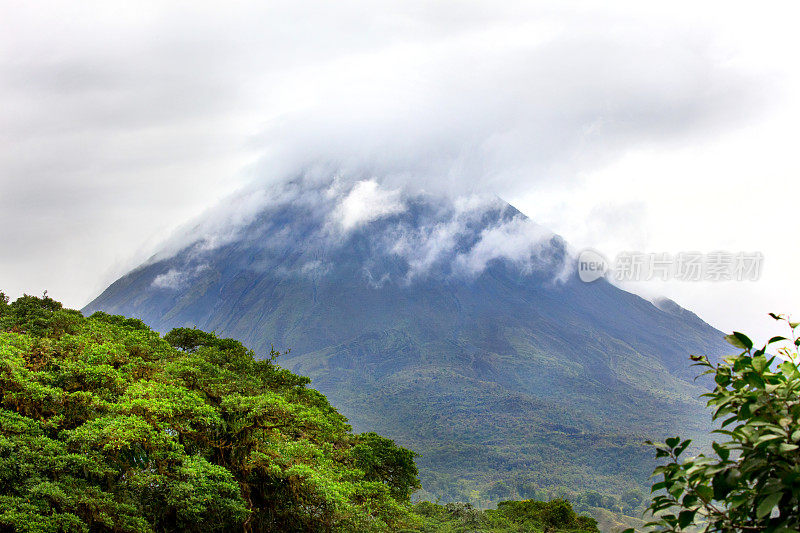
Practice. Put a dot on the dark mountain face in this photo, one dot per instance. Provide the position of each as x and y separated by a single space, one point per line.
459 328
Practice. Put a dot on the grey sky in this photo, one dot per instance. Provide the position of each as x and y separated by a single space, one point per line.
621 127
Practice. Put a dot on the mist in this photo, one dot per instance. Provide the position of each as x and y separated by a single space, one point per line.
312 229
122 124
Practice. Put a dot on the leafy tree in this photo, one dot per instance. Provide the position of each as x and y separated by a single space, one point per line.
631 501
555 516
550 517
593 499
450 517
751 482
106 426
499 490
382 461
191 339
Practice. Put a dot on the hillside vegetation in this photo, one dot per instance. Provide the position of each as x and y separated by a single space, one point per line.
511 382
105 425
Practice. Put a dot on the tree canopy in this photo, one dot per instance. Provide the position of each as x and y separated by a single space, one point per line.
510 516
107 426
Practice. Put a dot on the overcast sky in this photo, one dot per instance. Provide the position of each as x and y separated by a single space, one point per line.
621 127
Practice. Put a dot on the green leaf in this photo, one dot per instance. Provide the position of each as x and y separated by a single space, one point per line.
740 340
789 370
768 437
767 504
723 452
685 518
682 447
755 381
722 380
705 492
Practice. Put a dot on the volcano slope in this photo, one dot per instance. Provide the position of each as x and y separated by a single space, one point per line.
456 327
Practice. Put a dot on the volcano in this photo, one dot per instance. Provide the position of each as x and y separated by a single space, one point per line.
456 326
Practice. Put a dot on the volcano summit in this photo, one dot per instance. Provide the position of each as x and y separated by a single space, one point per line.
456 326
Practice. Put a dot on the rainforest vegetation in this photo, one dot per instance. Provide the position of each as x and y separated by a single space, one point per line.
108 426
105 425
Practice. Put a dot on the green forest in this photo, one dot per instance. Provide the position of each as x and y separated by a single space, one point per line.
108 426
105 425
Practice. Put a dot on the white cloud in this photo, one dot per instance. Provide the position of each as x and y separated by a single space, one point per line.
433 235
366 202
175 279
518 240
120 123
172 279
315 268
427 246
433 245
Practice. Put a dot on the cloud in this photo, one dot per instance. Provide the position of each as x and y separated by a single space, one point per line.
311 228
174 279
434 243
366 202
121 123
518 241
506 107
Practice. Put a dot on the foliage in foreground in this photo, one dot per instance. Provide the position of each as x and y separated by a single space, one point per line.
752 480
106 426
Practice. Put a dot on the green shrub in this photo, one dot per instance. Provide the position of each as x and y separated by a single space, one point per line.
751 481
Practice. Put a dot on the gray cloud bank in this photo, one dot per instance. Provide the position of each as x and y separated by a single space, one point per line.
349 226
119 123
